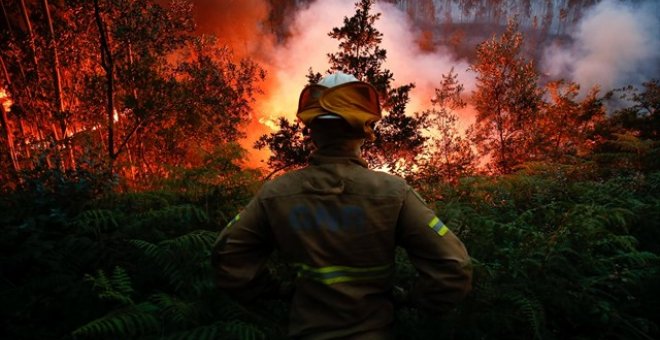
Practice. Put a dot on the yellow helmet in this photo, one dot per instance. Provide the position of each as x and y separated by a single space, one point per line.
341 95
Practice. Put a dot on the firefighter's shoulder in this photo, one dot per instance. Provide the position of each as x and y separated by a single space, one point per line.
380 182
286 184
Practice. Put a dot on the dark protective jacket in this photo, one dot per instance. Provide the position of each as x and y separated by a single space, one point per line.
339 223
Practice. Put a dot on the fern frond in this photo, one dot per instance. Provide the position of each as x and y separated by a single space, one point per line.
149 249
532 309
127 322
174 309
118 288
169 218
121 281
222 330
96 221
183 260
193 242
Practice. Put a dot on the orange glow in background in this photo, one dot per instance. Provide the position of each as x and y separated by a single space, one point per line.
240 25
587 56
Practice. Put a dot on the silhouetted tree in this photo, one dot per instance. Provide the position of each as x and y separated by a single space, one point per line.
629 139
452 156
398 139
643 116
290 145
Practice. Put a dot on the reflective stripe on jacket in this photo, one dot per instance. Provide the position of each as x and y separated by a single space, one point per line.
339 223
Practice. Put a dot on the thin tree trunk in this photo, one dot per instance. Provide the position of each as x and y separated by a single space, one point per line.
11 34
130 63
57 84
6 74
6 16
57 79
108 67
26 18
130 163
28 154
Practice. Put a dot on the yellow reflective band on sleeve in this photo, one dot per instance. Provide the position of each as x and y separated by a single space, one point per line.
438 226
337 274
238 217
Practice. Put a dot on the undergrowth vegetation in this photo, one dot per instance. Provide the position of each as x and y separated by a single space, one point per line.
559 252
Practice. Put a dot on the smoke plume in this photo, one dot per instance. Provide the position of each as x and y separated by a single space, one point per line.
309 44
240 25
615 44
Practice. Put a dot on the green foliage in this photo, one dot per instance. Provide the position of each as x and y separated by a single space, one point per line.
555 257
155 244
558 252
132 321
225 330
117 288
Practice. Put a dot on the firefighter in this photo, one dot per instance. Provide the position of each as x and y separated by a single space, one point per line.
339 223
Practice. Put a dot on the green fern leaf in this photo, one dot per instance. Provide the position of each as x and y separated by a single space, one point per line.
127 322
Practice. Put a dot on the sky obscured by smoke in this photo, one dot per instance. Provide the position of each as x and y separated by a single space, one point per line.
240 24
615 44
310 44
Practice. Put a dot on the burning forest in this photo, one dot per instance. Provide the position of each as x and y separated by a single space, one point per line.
133 131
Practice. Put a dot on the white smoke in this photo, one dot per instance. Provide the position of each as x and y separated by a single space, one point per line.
410 64
615 44
310 43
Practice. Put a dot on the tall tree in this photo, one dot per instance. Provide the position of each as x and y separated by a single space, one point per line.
398 138
141 90
629 140
642 116
507 99
452 156
57 78
108 67
569 124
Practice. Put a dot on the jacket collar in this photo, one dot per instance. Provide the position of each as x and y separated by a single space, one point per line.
344 152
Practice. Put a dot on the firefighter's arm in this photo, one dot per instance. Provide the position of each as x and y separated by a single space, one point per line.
240 253
443 264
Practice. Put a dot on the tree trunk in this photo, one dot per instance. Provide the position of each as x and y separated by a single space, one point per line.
57 79
11 34
130 63
28 154
6 74
28 24
57 84
6 16
108 67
